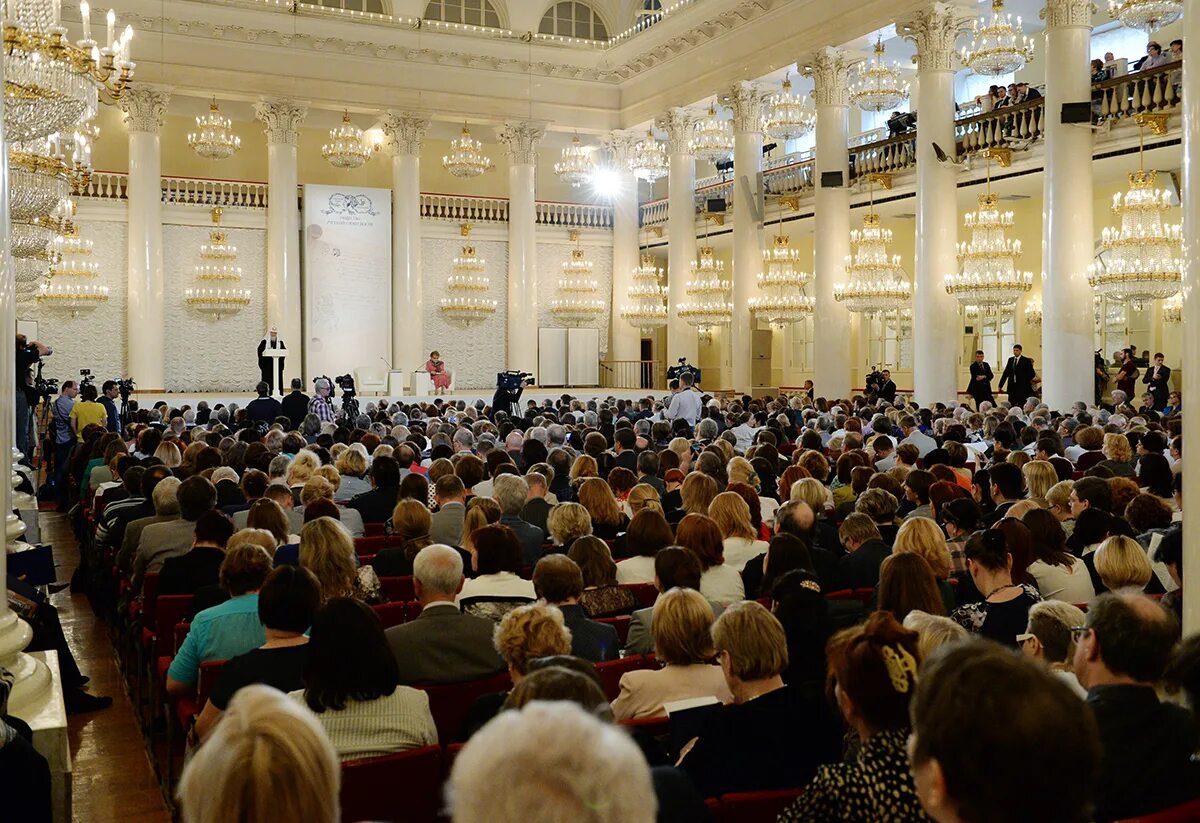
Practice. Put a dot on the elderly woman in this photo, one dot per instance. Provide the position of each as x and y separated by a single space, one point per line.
352 684
681 624
567 522
771 736
352 465
525 634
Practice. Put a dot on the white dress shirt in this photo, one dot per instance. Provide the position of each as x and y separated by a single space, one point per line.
684 405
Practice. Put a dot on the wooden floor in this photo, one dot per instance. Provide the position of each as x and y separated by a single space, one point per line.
113 779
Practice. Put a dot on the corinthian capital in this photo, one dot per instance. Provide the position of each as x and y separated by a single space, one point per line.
830 70
1068 13
678 124
622 145
405 130
520 139
282 118
144 107
933 29
746 99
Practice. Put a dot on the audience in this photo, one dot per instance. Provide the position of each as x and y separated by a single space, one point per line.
1004 611
1050 638
558 582
602 596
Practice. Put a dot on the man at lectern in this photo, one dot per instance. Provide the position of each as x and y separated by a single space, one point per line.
271 352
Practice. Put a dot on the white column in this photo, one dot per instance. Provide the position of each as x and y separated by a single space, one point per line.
828 68
1068 238
406 131
1191 316
32 680
747 102
682 339
936 328
281 118
521 141
144 109
626 338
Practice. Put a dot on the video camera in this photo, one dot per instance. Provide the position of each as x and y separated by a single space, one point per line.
874 382
126 386
88 378
675 372
344 382
514 380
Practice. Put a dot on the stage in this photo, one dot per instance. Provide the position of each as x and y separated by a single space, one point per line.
147 400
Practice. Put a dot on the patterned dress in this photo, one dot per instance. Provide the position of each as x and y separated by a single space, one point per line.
437 373
875 788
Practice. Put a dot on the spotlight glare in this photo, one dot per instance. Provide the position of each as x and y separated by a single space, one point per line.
606 183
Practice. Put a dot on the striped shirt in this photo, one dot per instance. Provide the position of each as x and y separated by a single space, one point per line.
385 725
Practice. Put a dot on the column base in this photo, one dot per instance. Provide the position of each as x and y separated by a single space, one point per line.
31 678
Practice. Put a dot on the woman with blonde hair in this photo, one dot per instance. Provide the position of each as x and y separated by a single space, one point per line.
1040 476
585 466
681 625
696 495
1118 456
411 522
352 465
303 466
682 449
607 520
1121 565
259 537
1058 503
642 496
934 631
739 541
168 453
481 511
269 758
567 522
327 550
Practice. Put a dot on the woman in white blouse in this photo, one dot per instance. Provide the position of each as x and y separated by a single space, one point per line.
352 684
681 626
496 559
718 581
1059 574
731 513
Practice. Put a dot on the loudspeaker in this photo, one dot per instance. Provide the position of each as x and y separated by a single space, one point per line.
1076 112
715 205
723 166
832 180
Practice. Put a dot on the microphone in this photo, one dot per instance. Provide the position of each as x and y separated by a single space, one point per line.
385 362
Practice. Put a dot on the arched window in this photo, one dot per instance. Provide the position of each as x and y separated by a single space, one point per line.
376 6
570 18
649 8
471 12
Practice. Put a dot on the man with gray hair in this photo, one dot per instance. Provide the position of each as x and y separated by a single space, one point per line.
322 404
510 492
442 645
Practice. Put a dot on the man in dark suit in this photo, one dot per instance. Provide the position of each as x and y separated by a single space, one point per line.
558 580
1121 653
887 389
201 565
376 505
860 568
798 519
1158 378
511 492
264 408
647 471
442 645
1019 375
980 387
536 510
625 441
1008 485
295 403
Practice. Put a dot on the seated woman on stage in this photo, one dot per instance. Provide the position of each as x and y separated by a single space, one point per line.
437 372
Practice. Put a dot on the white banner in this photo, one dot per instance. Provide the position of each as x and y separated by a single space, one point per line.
347 280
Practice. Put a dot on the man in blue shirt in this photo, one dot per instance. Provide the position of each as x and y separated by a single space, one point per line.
64 439
264 408
108 396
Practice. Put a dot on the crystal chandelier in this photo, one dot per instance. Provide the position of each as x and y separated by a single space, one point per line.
1146 15
650 160
709 304
1033 312
879 86
466 157
998 46
647 307
988 276
51 84
788 115
875 283
71 284
214 138
1141 259
1172 309
783 300
217 267
712 138
346 148
578 302
575 167
467 281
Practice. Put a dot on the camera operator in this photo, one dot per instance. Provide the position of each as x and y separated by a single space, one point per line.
108 396
64 439
28 353
509 387
685 403
322 405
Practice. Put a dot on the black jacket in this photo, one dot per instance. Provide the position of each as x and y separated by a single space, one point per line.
1147 750
376 505
1019 377
860 568
980 389
264 409
295 407
188 572
590 640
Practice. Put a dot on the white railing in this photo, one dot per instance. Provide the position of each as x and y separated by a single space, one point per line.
575 215
1152 91
999 128
885 156
108 185
464 208
654 213
872 136
791 179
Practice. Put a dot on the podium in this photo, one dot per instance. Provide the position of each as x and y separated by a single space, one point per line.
276 356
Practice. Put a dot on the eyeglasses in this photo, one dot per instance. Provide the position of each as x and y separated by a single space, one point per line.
1024 638
1079 632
